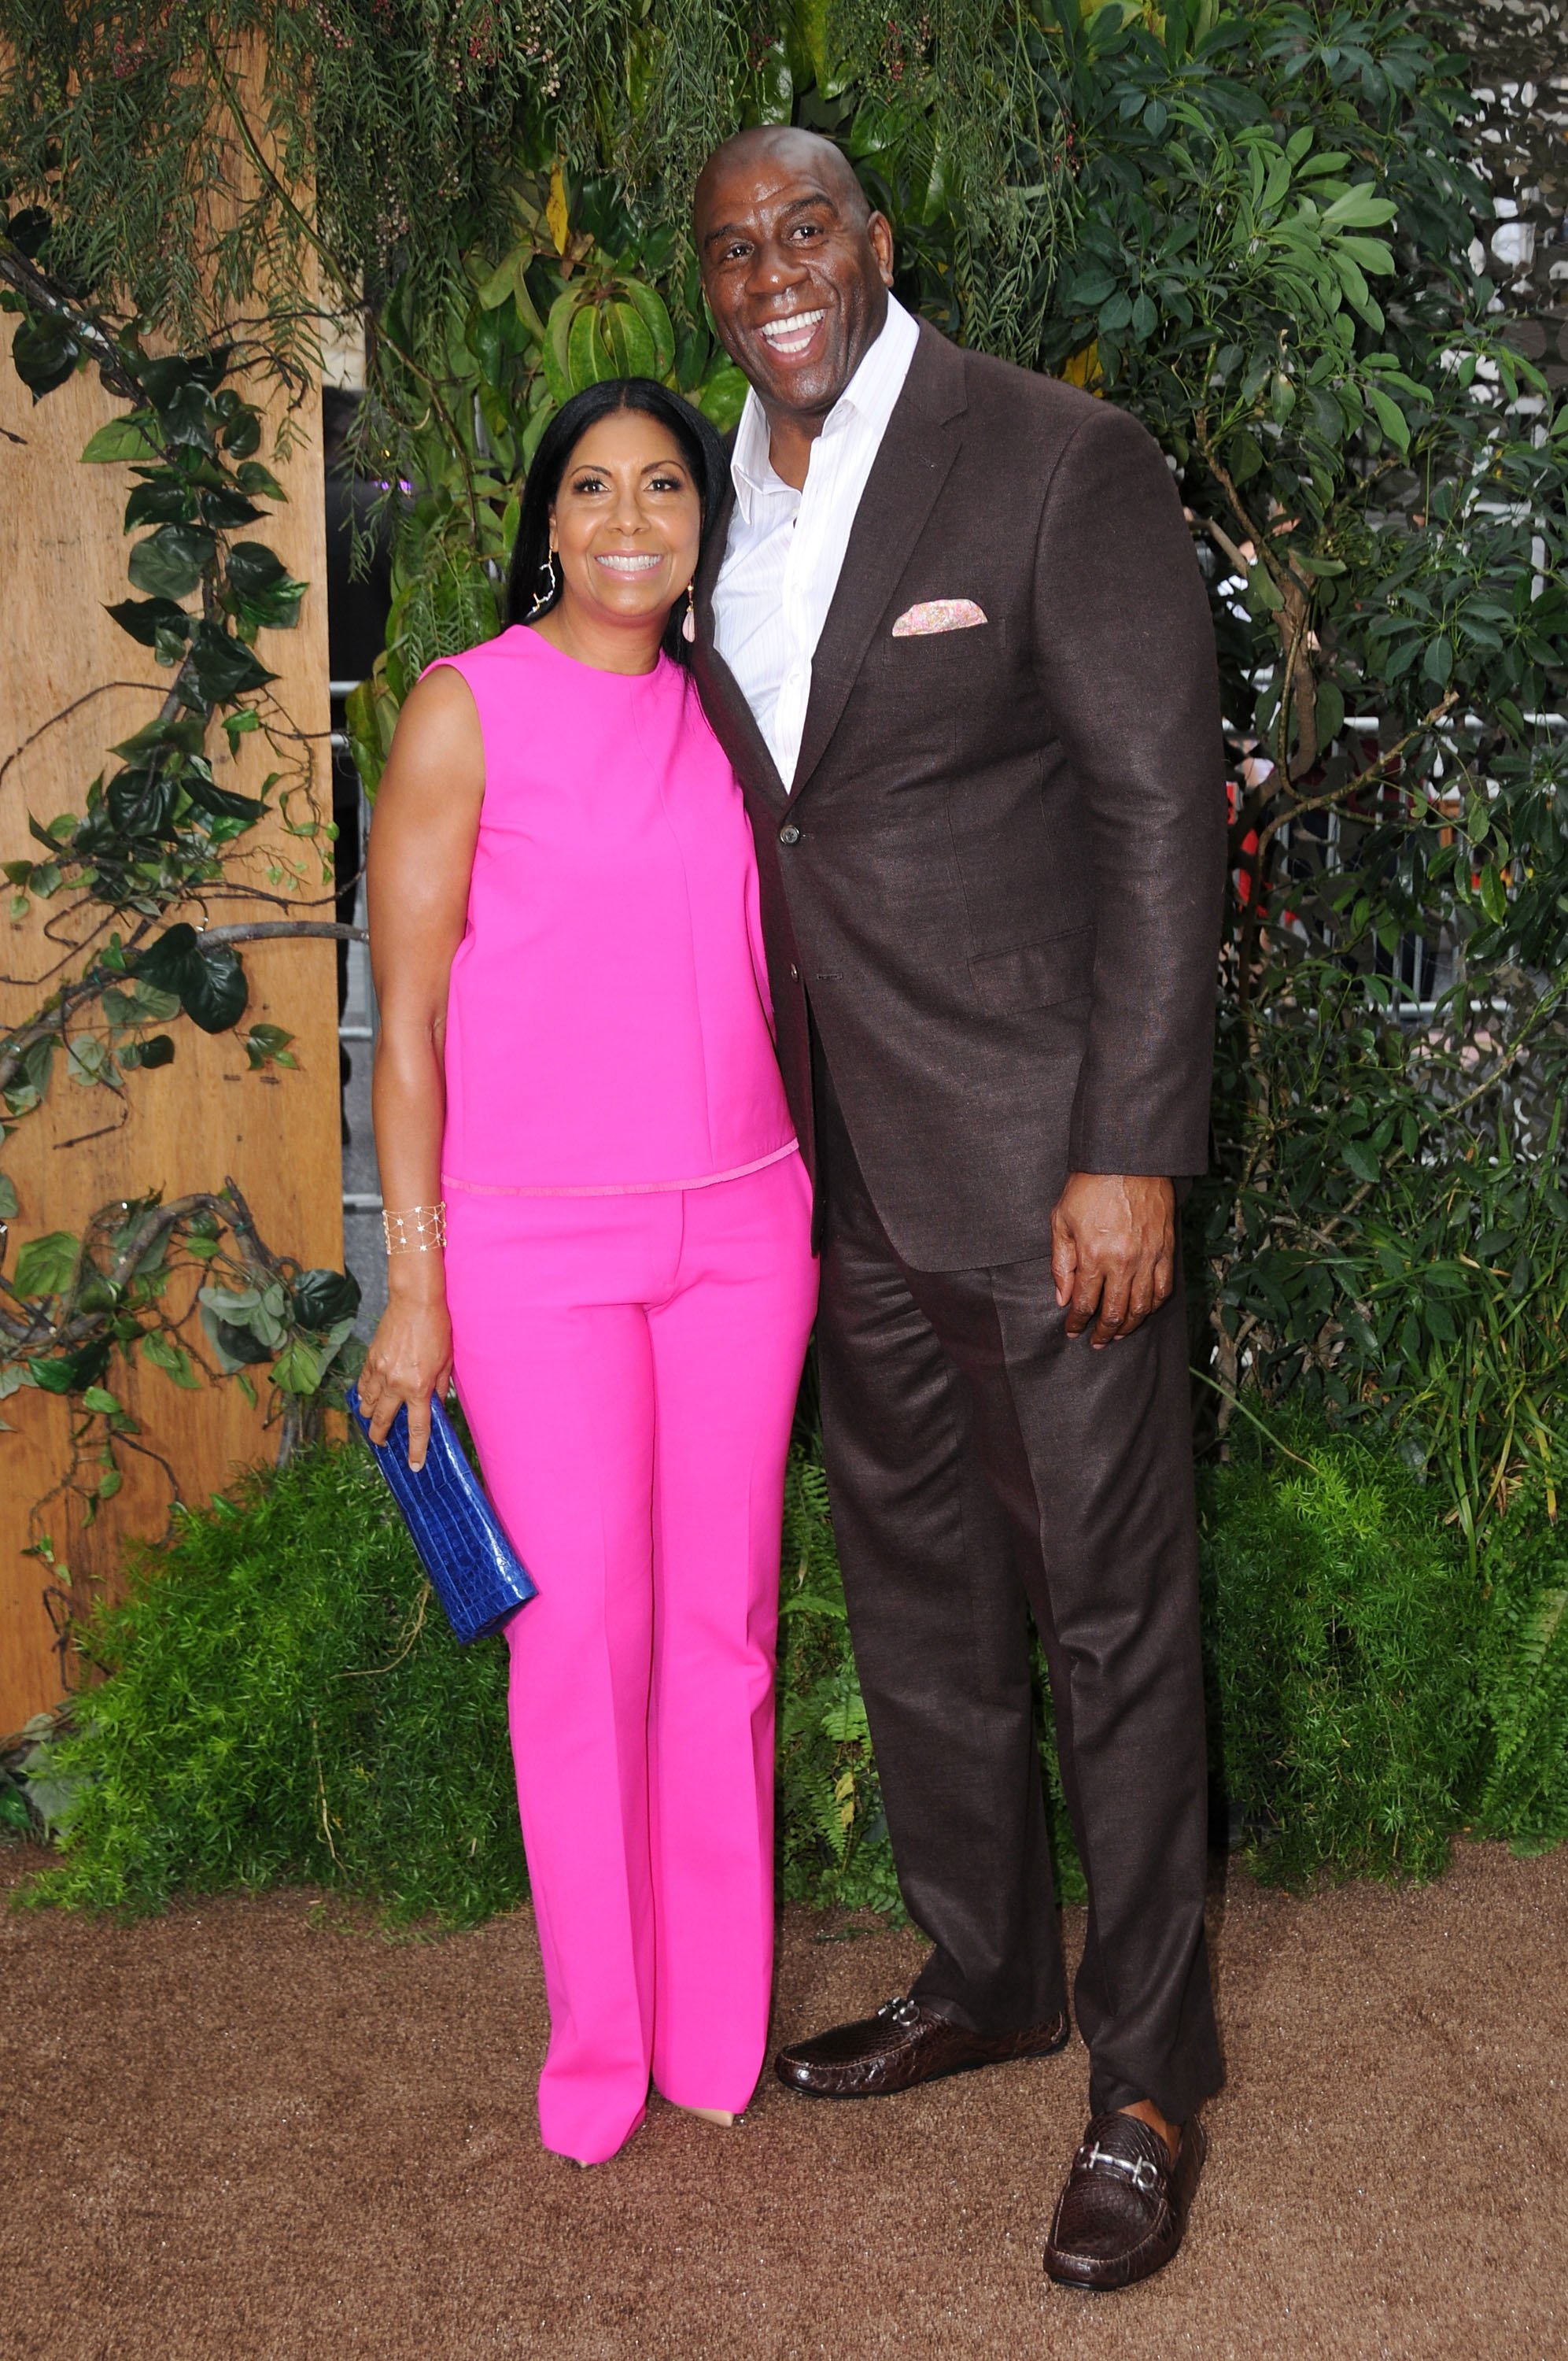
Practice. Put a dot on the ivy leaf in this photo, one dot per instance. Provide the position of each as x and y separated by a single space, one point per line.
156 1050
28 231
187 419
163 962
170 562
222 803
47 1265
237 725
146 618
233 1348
168 502
182 731
98 1398
254 479
263 591
216 991
214 999
220 667
164 377
253 568
8 1204
325 1297
298 1368
242 435
43 353
87 1060
142 805
209 979
266 1045
132 437
338 1338
172 1358
32 1083
226 507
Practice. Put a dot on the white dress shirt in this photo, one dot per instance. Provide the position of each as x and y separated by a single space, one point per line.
786 548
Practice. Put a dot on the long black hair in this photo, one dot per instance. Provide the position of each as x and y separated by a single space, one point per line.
527 590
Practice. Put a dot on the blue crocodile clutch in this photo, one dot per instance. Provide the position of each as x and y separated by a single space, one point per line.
474 1570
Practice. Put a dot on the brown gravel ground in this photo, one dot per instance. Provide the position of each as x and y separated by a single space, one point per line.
255 2130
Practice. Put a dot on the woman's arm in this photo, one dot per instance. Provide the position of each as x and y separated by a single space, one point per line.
417 873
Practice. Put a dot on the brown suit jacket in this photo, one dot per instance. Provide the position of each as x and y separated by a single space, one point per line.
998 877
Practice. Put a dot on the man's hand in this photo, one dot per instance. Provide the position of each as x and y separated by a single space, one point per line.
1113 1251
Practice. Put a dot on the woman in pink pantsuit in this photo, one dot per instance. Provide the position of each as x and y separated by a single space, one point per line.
599 1224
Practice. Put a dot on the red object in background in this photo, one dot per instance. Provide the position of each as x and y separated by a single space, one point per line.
1243 876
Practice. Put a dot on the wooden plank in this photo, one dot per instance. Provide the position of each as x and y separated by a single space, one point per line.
184 1126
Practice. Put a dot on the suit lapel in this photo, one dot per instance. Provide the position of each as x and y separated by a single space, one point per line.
734 724
917 451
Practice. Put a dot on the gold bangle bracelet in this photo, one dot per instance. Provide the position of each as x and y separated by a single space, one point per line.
419 1229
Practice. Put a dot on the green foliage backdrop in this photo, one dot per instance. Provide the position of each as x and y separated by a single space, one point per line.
1252 224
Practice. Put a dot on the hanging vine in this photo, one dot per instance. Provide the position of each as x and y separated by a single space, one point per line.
158 832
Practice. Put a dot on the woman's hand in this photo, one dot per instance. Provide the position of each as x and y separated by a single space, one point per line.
408 1360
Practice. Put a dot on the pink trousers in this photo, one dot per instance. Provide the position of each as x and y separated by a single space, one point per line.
629 1366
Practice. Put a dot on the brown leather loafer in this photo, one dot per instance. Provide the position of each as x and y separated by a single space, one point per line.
1121 2216
902 2044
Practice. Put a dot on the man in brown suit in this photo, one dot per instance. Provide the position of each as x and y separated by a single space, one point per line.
954 639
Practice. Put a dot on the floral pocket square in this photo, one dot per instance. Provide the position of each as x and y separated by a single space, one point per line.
937 615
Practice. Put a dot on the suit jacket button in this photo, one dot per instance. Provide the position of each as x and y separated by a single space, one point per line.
795 975
789 833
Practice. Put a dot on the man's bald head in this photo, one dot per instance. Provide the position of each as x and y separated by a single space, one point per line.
803 152
796 267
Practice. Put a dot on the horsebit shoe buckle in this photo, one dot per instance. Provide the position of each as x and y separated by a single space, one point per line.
1143 2175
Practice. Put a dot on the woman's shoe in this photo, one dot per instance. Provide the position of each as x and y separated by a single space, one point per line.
719 2116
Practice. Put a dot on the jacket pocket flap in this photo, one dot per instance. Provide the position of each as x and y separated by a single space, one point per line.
1035 974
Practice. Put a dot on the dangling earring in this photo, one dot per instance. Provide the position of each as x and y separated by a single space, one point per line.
688 620
546 598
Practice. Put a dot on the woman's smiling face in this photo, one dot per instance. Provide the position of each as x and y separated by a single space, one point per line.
627 521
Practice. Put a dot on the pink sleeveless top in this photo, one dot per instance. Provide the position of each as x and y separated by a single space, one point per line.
609 1027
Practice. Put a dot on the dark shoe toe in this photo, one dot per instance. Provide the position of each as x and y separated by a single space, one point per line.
1122 2211
903 2044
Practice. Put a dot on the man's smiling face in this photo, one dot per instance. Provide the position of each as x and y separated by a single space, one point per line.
794 266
